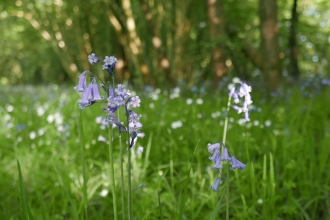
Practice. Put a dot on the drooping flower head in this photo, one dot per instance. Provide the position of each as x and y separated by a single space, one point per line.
118 97
236 164
82 82
216 184
218 159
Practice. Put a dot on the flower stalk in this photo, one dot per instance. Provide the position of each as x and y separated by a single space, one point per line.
220 154
117 98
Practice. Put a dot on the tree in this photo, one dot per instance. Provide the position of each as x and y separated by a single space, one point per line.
293 48
270 65
217 34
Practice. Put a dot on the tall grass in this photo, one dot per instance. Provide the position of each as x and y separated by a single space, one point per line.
286 147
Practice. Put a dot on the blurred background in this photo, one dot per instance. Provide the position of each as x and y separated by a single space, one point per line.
165 42
172 54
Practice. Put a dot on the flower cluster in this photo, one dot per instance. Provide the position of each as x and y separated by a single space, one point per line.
240 92
218 158
119 97
90 93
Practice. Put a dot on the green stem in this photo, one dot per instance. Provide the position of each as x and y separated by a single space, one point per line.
112 175
224 142
83 161
129 166
122 175
226 122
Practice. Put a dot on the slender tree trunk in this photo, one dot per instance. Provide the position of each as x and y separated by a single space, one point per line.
269 43
294 67
217 33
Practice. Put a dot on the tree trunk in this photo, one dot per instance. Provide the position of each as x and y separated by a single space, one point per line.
293 48
269 43
217 33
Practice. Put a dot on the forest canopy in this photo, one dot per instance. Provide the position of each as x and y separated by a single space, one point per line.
164 42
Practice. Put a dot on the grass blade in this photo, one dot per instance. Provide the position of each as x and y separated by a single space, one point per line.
216 210
25 210
160 207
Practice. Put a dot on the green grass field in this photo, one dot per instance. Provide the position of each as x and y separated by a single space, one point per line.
285 146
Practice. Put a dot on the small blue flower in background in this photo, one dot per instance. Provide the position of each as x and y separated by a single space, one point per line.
139 150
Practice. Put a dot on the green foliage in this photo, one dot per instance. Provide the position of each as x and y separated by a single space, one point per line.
285 147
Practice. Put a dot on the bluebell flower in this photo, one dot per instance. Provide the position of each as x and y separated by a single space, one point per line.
112 119
81 83
134 102
215 155
93 59
216 185
236 164
133 117
241 97
218 163
121 90
96 92
109 64
213 147
86 96
111 93
135 127
224 155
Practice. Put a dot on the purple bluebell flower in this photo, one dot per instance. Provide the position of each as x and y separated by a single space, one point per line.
216 185
238 109
82 82
109 64
236 164
133 117
241 97
93 59
121 90
135 127
215 155
86 96
234 95
112 119
213 147
111 93
134 102
217 163
224 155
96 92
119 101
244 89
